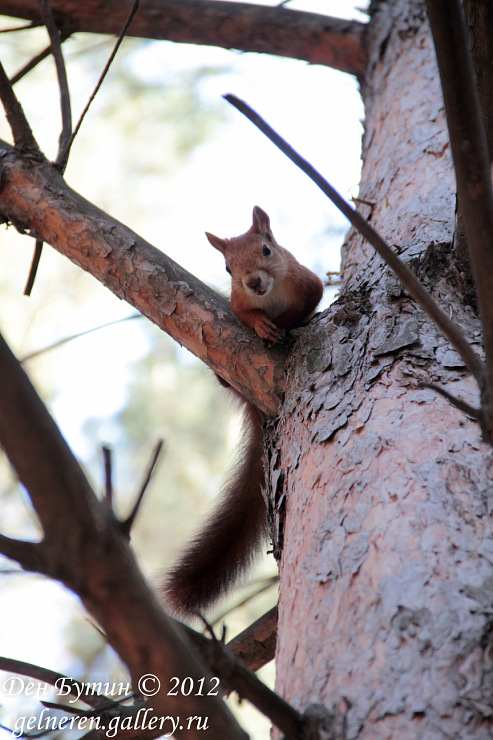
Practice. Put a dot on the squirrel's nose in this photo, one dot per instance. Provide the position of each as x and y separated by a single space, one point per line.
254 283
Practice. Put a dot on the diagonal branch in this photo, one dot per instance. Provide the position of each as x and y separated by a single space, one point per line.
30 555
53 678
25 424
311 37
408 279
19 125
36 199
108 64
85 549
472 166
35 60
127 524
224 660
256 645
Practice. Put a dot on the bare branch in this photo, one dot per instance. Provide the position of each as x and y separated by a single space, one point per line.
85 550
53 678
21 130
121 36
127 524
260 586
65 340
37 199
27 27
28 554
256 645
38 250
450 330
56 50
36 60
236 677
479 22
108 476
25 424
312 37
472 167
457 402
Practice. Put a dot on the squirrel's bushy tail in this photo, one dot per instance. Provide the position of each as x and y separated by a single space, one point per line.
224 548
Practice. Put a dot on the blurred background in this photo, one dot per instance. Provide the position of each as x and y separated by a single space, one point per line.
163 152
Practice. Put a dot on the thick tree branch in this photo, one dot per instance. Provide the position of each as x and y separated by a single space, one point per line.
35 198
99 566
226 661
311 37
25 425
472 167
85 549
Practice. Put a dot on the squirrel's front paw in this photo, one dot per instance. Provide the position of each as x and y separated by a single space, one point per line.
267 330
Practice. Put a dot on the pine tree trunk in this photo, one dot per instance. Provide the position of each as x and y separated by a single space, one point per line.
383 490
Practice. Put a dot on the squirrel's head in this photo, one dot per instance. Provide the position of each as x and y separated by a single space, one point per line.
253 259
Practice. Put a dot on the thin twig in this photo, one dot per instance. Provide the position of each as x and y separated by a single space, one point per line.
38 249
36 60
450 330
108 476
457 402
71 686
65 340
106 704
126 524
66 117
121 36
261 587
27 27
56 50
19 125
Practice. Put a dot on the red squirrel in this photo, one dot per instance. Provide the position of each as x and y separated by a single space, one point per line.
270 292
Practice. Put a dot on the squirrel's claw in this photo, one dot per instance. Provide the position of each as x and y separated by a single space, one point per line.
267 330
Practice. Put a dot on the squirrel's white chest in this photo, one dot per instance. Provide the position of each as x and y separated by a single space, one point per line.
274 302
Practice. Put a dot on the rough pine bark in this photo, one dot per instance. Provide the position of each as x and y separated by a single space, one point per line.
382 490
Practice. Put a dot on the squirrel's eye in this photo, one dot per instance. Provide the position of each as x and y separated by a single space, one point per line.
228 270
266 250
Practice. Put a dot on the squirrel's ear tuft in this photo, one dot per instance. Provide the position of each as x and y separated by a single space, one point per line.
261 221
216 242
